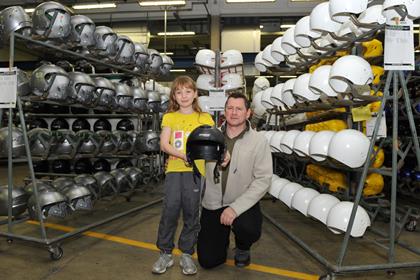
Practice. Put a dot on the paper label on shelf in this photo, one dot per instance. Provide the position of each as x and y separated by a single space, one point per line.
361 113
399 45
8 86
370 125
217 99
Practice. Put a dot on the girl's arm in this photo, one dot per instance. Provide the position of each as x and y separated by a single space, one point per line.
166 147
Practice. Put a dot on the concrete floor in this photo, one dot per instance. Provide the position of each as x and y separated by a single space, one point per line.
125 248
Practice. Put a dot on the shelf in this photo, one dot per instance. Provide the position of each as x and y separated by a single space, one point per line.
110 116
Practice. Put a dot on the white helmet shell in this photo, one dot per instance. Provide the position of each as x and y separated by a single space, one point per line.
276 95
276 186
303 32
257 107
321 21
277 50
260 84
288 140
302 141
287 96
302 198
301 89
320 142
339 217
341 11
320 207
231 58
266 98
372 15
205 58
288 42
275 141
266 55
350 70
350 147
260 63
412 8
205 82
232 81
288 191
319 81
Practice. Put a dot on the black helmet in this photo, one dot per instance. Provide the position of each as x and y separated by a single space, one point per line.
206 142
83 166
41 166
125 125
58 109
80 124
124 163
37 123
79 110
61 166
102 124
36 107
101 165
59 123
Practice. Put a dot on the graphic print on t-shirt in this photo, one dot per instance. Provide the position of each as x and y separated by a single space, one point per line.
179 140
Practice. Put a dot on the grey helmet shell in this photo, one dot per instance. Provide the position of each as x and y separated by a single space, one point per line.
51 20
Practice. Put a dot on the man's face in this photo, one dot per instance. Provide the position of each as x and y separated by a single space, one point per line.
235 112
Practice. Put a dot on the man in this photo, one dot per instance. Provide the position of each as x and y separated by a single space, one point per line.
233 203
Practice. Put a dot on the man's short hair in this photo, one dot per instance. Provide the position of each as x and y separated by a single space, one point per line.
241 96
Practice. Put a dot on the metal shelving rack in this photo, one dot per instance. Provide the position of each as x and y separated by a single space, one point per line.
52 244
397 79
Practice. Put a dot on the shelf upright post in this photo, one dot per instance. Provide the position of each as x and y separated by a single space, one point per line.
217 81
10 146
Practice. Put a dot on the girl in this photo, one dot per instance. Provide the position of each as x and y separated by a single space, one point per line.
182 187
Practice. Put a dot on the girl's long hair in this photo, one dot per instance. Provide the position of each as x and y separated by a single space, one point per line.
179 82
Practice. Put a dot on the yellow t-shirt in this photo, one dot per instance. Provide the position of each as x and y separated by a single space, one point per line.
181 126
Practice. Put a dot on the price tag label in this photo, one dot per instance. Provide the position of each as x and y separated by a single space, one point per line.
217 99
399 45
370 125
8 88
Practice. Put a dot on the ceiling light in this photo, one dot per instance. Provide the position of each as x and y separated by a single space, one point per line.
261 26
162 3
30 10
248 1
167 53
176 33
94 6
417 51
263 76
178 70
287 77
287 25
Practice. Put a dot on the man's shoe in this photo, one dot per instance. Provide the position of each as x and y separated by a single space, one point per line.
242 257
187 264
165 261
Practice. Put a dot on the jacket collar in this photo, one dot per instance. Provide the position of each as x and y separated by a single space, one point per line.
223 126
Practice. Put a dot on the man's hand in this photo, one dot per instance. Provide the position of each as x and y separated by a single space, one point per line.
226 159
228 216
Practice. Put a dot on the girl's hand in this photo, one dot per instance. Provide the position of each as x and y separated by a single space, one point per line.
226 160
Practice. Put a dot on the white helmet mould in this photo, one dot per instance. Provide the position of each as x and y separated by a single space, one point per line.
266 55
320 142
268 134
302 198
260 64
347 30
303 32
325 42
258 108
261 83
231 58
339 217
275 141
320 19
350 70
276 186
288 140
266 98
277 51
276 95
288 191
287 96
372 15
294 59
309 51
412 8
205 82
301 89
350 147
302 141
341 11
232 81
320 206
205 58
288 42
319 81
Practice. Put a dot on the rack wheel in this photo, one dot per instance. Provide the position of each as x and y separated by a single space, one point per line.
9 241
418 275
390 273
329 276
56 253
411 225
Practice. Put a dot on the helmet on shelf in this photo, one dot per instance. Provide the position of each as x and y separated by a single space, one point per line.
139 99
106 183
153 101
124 95
349 147
124 142
276 186
102 124
108 142
41 166
101 165
37 123
276 95
106 91
232 81
155 61
303 33
275 141
122 179
19 201
89 182
410 8
260 83
39 142
372 15
167 64
302 142
288 140
288 42
205 58
124 163
302 198
277 51
82 89
64 143
125 125
59 123
135 175
105 41
287 93
82 31
89 142
18 143
205 82
14 19
80 124
339 217
320 142
266 98
141 57
147 142
125 50
301 89
78 197
320 207
341 11
319 81
52 204
321 21
61 183
51 20
83 166
61 166
50 82
260 63
288 191
231 58
266 55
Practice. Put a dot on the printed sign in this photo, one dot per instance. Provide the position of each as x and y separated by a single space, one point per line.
8 87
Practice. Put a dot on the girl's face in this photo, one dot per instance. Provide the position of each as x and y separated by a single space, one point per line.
185 96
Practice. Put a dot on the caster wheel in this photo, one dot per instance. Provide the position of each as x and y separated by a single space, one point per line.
418 276
56 253
327 277
390 273
411 225
9 241
128 199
